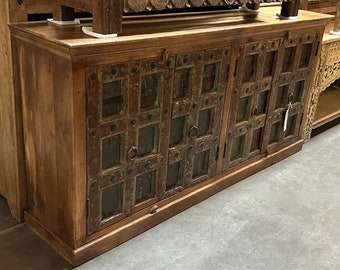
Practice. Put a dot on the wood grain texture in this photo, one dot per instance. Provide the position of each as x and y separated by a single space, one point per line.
108 15
12 163
328 66
65 126
50 107
113 237
328 107
6 105
37 6
329 7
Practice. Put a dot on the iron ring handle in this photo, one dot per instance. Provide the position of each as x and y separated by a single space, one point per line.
254 111
291 97
132 153
193 131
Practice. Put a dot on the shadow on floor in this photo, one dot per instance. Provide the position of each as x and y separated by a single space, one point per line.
6 220
325 127
22 249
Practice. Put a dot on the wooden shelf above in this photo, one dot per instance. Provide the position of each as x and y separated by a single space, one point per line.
328 107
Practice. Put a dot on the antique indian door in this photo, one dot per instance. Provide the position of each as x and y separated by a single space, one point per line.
271 78
153 129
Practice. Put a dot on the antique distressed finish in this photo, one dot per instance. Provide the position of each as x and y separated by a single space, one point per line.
123 133
148 5
256 63
325 6
328 63
294 80
108 14
12 160
166 128
328 72
272 77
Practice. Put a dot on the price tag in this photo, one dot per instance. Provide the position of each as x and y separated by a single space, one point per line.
285 122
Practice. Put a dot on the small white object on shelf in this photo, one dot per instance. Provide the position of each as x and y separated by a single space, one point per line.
89 31
286 18
76 21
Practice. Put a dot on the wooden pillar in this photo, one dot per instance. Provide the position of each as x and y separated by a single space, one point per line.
336 27
12 161
303 4
107 16
62 13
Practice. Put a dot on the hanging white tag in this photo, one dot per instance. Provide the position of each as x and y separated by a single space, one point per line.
285 122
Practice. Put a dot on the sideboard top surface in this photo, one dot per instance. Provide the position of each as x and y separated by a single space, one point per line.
174 28
329 38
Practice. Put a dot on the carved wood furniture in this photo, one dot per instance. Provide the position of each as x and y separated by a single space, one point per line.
108 15
328 72
328 69
123 133
12 161
325 6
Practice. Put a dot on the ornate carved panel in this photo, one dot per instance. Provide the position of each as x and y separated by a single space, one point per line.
255 69
197 103
153 125
328 71
282 66
108 15
126 106
148 5
291 87
152 130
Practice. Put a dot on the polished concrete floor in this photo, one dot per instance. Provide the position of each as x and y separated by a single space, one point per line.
284 217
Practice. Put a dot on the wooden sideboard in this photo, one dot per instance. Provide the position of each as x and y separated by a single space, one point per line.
123 133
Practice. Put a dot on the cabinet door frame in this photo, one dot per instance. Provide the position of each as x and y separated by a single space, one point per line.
128 84
194 153
250 100
291 87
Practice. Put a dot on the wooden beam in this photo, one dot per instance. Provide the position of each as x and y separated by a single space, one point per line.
303 4
12 161
107 16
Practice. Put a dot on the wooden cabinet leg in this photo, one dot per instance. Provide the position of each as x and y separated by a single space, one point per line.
62 13
107 16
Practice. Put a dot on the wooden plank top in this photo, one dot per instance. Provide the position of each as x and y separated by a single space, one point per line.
327 37
174 28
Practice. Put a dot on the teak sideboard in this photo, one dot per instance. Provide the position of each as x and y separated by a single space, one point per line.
123 133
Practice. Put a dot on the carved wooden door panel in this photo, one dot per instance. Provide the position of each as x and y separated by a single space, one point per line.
127 110
291 86
255 69
199 85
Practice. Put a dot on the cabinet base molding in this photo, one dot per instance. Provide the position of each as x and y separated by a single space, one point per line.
110 238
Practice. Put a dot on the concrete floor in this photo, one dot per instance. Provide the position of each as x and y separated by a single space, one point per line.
284 217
